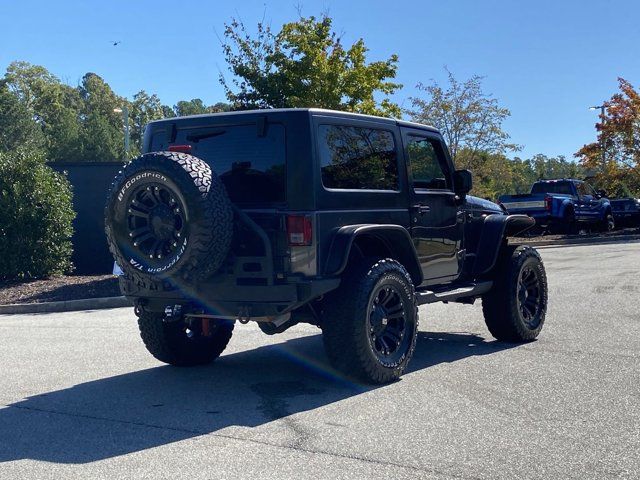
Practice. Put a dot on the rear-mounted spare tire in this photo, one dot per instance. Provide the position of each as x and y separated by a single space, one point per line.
168 216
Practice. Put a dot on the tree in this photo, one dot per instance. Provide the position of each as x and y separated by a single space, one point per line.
468 118
615 156
305 65
190 107
143 109
102 132
17 126
53 106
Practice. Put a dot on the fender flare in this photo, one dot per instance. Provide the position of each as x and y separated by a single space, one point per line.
495 230
566 205
395 238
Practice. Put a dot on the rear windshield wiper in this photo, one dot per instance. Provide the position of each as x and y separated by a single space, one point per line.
196 137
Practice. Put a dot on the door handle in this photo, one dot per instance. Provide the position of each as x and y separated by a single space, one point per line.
422 209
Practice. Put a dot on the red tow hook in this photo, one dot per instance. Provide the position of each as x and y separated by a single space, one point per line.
206 331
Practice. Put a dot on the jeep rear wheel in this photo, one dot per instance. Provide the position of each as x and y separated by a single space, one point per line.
182 344
515 308
168 216
370 322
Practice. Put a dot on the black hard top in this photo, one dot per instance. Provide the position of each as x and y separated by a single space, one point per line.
311 111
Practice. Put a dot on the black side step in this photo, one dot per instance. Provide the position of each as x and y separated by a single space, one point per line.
461 291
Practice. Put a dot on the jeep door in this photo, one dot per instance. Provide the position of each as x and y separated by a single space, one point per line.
436 215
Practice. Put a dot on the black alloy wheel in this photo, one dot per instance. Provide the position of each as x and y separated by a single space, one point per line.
529 297
387 325
156 221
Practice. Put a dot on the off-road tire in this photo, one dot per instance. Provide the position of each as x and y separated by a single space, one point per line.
346 321
170 342
207 222
501 307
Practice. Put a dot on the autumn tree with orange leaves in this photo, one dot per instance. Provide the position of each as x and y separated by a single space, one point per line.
615 156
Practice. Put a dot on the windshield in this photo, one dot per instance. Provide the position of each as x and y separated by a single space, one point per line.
562 188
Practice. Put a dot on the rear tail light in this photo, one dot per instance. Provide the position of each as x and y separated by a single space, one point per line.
299 230
180 148
547 203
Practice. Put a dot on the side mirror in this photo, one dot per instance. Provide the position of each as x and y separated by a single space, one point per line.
462 182
601 193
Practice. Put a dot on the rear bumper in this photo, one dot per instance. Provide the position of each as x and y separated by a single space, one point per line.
227 299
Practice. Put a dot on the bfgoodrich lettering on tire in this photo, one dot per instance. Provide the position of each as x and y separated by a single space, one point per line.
168 216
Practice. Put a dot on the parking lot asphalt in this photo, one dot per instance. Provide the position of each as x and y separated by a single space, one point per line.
80 396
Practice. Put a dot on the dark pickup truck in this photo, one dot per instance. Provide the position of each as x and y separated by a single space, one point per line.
347 222
563 206
626 211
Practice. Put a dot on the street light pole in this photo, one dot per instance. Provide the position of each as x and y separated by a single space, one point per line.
125 118
602 120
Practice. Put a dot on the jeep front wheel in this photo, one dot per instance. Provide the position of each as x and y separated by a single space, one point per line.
515 308
370 322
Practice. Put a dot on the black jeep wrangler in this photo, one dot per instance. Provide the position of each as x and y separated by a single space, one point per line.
344 221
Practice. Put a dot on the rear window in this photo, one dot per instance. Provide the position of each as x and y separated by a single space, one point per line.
250 162
357 158
562 188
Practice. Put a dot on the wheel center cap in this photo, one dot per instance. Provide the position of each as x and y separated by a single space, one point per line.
162 222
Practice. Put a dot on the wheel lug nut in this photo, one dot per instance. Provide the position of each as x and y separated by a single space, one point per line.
178 234
150 256
130 210
159 256
175 244
130 234
156 189
135 244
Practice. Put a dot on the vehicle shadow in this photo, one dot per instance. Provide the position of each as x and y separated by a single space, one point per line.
157 406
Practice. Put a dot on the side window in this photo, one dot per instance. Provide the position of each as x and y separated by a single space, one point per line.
582 189
426 163
357 158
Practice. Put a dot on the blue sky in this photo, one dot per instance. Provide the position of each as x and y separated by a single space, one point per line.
547 61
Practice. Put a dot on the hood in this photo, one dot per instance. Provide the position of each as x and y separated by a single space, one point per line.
480 204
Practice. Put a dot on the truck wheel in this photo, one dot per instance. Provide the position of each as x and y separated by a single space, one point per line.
168 216
569 225
370 322
514 310
177 344
608 223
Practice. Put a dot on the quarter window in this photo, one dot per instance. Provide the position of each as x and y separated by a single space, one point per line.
357 158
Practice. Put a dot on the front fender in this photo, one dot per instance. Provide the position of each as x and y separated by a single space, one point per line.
396 239
494 230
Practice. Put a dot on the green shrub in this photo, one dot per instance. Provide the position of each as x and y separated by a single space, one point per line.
35 217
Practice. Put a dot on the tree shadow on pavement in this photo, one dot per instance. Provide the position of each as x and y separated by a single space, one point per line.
157 406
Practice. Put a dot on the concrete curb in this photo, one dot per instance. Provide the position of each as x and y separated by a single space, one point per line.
583 241
67 306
